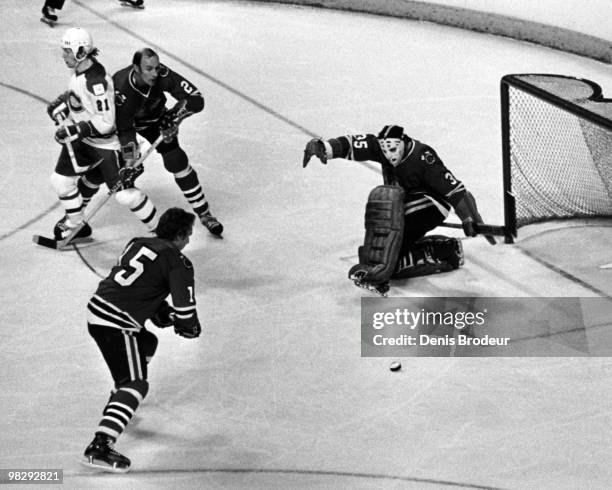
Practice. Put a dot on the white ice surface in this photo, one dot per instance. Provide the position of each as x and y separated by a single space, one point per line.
275 393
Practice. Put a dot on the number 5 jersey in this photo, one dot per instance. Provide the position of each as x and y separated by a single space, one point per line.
147 272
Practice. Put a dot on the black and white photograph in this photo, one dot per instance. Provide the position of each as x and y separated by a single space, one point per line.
339 244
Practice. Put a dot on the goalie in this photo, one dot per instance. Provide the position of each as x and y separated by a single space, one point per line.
417 197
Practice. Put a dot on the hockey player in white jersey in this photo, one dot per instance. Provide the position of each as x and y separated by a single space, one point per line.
86 116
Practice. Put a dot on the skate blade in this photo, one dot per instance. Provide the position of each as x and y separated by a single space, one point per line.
371 288
50 23
102 466
126 4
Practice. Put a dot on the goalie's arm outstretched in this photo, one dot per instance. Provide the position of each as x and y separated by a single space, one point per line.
358 147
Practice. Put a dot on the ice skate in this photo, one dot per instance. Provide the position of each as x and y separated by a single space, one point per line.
380 289
211 223
48 16
137 4
101 455
63 229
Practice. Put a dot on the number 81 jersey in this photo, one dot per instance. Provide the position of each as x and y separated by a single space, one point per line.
147 272
91 98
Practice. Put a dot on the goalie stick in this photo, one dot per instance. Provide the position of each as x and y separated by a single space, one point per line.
482 229
60 244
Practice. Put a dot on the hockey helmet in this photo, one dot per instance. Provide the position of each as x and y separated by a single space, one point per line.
76 38
392 143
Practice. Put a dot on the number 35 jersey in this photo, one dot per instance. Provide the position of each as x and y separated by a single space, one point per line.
147 272
419 172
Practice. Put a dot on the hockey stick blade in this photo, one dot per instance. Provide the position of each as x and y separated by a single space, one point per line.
65 244
45 242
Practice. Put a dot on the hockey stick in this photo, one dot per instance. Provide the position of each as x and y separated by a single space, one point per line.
482 229
59 244
62 121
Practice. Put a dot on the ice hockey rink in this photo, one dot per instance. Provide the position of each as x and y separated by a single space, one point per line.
275 393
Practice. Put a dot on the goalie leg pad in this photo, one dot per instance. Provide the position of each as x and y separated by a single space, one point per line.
430 255
384 225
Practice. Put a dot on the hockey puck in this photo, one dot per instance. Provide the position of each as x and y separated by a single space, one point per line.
395 366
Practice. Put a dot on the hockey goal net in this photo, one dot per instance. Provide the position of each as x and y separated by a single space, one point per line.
557 149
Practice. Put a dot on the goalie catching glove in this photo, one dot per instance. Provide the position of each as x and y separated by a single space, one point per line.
314 147
169 122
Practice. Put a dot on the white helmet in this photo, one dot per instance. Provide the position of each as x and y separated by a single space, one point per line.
76 38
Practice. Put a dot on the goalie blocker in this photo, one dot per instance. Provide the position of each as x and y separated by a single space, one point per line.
381 257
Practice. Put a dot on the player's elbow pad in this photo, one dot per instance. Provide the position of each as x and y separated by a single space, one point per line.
195 103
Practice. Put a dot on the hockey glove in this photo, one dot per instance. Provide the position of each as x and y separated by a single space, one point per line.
169 122
314 147
164 316
470 217
130 153
187 329
127 176
58 109
73 132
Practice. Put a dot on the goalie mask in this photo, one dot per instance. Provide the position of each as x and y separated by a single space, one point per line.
392 143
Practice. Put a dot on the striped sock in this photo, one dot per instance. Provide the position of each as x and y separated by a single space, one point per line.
87 189
120 409
73 206
147 213
188 182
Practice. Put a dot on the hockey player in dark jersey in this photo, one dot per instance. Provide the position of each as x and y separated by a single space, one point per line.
418 194
140 99
133 295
